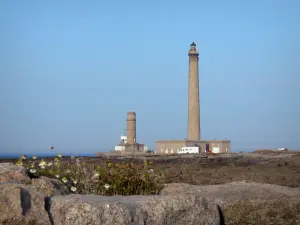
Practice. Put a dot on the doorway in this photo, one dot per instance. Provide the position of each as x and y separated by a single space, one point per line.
207 148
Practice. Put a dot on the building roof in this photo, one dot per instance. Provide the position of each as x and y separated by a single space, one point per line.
193 141
126 144
193 44
168 141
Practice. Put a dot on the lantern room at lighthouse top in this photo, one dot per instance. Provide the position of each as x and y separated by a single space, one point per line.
193 49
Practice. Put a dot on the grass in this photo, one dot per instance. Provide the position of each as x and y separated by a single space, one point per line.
275 212
104 178
296 155
216 170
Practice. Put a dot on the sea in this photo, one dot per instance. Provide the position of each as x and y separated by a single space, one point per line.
41 155
71 153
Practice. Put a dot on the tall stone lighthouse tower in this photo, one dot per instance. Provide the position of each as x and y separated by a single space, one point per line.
193 95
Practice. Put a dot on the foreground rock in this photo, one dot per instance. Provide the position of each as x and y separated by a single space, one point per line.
22 204
50 187
22 200
133 210
45 201
235 191
11 172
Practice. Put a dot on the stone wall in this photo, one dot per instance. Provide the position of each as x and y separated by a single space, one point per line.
45 201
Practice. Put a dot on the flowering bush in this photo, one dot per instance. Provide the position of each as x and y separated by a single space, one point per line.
106 178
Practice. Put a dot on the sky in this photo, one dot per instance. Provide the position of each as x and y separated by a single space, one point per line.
71 70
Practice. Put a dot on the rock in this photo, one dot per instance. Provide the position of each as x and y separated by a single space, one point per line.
234 191
9 171
22 200
50 186
133 210
21 204
29 203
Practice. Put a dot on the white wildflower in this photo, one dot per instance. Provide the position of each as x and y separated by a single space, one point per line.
49 163
106 186
57 176
32 171
64 179
33 157
95 176
42 163
73 189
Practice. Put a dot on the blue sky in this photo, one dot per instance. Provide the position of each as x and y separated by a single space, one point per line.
70 71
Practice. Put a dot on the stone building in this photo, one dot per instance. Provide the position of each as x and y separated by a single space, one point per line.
128 143
194 138
172 146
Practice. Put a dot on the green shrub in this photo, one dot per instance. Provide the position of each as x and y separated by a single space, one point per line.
106 178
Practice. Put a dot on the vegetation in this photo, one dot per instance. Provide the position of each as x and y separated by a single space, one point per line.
272 212
105 178
129 176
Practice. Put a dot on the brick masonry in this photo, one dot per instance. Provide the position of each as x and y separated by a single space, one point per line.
193 95
131 128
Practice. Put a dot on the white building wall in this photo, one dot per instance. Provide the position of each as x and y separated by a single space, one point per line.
123 139
119 148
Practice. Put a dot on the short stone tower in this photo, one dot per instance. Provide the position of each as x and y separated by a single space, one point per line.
193 95
131 128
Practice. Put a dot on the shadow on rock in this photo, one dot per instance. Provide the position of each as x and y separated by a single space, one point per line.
48 209
25 201
222 220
